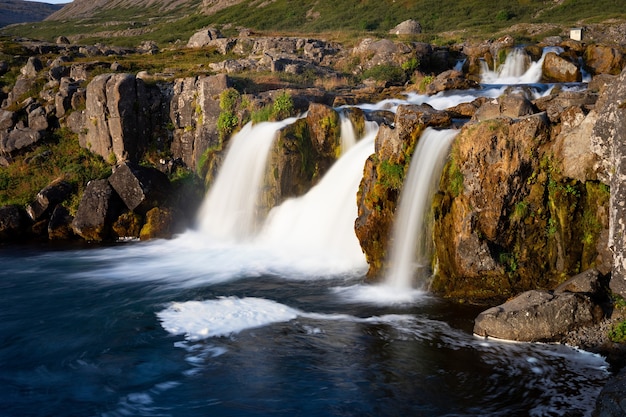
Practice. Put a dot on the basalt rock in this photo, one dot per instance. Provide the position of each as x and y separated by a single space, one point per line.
140 188
117 114
161 223
98 207
611 401
60 224
507 219
48 198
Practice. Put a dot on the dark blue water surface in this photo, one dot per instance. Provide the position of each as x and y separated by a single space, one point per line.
81 335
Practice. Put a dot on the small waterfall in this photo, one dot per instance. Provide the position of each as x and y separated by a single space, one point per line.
348 135
517 69
411 236
321 222
228 211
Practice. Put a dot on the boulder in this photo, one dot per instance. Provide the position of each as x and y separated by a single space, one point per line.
587 282
511 105
128 226
140 188
538 316
48 198
202 38
7 119
38 119
602 59
450 80
194 107
60 224
98 207
19 138
13 223
560 70
160 224
408 27
32 67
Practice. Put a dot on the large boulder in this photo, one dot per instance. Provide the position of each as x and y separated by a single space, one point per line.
194 108
47 199
203 37
18 139
602 59
560 70
408 27
141 188
98 207
450 80
538 316
60 224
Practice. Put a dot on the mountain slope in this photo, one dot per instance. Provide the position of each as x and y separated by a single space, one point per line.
19 11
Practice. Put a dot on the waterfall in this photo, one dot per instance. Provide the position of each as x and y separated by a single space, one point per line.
517 69
321 222
348 135
411 234
229 209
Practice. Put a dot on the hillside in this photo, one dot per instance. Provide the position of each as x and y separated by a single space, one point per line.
19 11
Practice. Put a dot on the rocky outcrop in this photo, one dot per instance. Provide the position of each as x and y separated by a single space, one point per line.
510 216
48 198
383 176
116 117
13 224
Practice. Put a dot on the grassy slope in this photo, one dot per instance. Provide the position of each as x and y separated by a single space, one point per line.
477 17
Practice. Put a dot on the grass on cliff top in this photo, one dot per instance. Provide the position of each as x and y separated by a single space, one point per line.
60 157
338 19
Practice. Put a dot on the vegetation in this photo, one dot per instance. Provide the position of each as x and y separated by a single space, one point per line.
352 19
58 158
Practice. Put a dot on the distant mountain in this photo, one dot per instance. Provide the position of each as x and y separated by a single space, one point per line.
19 11
88 8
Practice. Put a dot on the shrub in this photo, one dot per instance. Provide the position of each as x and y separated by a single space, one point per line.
386 72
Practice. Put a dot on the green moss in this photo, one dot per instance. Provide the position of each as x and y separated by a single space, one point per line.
618 333
227 121
391 175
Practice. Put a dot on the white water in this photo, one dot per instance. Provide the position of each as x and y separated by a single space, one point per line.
411 246
348 135
321 222
228 211
517 69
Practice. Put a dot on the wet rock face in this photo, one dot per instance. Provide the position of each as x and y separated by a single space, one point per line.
611 401
13 223
507 219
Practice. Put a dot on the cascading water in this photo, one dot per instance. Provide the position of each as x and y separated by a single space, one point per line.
410 250
517 69
348 135
228 211
321 222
